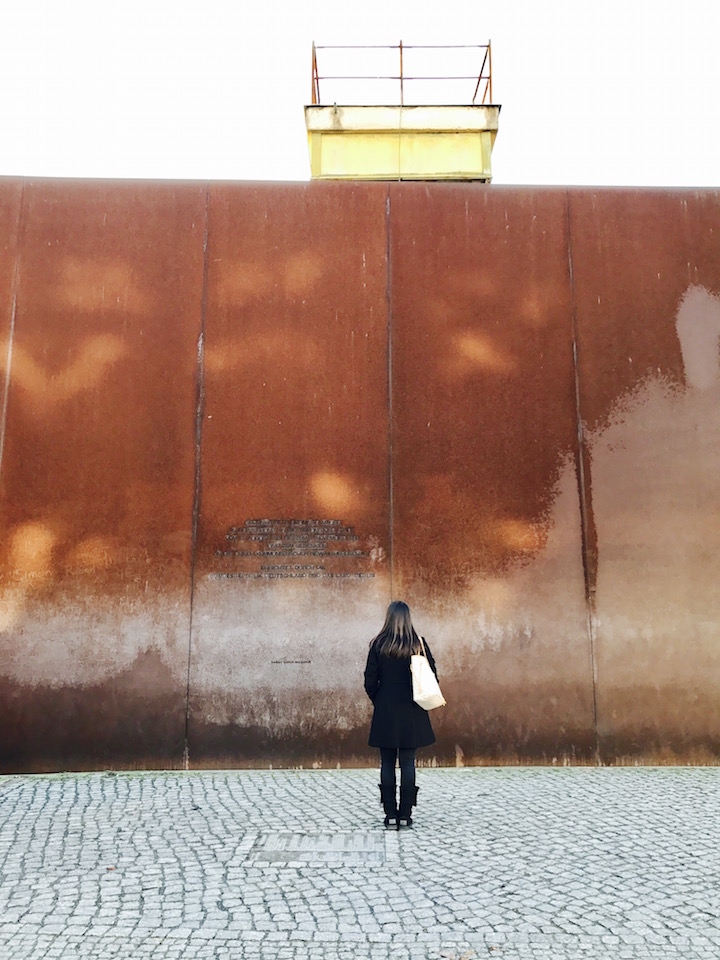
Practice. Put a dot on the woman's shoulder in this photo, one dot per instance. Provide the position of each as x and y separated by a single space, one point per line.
373 650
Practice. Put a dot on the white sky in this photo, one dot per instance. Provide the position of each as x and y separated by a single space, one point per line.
620 92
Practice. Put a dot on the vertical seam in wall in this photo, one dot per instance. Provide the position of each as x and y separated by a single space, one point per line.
197 490
388 303
587 521
11 338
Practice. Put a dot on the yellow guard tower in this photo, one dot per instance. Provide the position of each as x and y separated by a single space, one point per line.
397 139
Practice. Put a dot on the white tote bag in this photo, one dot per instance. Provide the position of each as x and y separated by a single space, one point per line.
426 689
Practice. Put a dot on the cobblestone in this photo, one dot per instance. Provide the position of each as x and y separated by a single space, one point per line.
508 863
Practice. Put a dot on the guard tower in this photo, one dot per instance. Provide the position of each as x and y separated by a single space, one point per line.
391 113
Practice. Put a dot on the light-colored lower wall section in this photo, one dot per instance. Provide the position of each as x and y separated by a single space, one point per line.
656 498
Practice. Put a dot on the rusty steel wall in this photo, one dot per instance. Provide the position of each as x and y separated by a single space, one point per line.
487 540
646 272
98 474
238 418
294 464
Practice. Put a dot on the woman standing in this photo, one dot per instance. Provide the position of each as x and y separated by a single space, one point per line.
399 726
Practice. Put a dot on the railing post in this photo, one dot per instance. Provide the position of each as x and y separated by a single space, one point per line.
401 75
315 93
480 77
490 68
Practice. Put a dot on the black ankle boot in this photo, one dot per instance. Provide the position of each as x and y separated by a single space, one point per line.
389 804
408 799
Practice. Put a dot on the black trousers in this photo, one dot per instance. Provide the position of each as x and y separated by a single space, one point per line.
406 757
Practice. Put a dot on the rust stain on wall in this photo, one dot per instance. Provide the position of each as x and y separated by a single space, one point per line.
98 469
487 524
10 215
293 540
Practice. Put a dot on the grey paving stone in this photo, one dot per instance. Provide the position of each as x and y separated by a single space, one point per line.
518 863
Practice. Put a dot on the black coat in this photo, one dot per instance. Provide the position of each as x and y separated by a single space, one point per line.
397 720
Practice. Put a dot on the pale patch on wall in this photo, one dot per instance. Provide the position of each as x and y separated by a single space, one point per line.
698 329
89 639
656 500
537 608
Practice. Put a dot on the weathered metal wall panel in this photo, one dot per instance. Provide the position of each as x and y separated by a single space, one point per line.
11 192
10 212
647 279
485 495
240 419
291 566
97 476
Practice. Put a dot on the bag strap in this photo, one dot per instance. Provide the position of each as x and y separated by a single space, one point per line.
422 644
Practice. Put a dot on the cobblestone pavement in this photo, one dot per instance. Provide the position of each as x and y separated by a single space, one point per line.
521 863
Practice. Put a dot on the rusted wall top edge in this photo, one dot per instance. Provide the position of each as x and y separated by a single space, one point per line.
513 188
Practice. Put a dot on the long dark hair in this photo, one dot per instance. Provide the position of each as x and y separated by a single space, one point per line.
397 637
